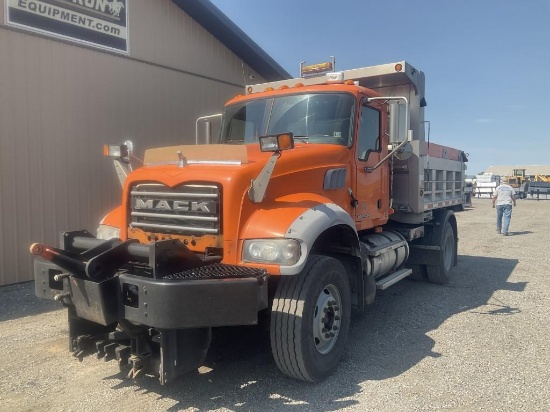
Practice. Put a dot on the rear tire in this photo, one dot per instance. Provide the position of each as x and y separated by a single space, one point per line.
310 320
440 272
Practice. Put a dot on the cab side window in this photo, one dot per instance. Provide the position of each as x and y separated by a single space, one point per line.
369 132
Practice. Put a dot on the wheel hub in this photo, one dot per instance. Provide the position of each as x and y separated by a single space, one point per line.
327 320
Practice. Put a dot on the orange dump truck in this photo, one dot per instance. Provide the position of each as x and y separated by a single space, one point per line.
319 191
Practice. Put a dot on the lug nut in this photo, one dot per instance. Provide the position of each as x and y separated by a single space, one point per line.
327 335
335 327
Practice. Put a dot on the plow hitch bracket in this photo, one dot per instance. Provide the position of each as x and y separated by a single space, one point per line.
149 307
89 258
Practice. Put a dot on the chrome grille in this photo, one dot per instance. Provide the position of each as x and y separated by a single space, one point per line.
184 210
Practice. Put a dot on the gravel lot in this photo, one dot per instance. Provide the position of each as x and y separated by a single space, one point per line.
478 343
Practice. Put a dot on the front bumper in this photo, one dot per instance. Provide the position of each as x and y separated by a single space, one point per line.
213 295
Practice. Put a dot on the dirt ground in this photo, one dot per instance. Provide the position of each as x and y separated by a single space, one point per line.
478 343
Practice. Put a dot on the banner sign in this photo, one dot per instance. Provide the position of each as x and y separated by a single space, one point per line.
100 23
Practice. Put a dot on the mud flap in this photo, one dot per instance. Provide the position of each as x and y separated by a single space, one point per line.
181 351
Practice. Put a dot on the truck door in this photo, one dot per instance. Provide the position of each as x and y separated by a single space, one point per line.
372 188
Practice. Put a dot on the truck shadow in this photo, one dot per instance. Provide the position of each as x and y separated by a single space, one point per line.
388 339
19 300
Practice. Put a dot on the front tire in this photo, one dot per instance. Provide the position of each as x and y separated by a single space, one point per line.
310 320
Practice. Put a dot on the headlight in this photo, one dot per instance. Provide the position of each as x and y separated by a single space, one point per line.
106 232
285 252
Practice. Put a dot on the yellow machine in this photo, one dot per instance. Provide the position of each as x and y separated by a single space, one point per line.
516 180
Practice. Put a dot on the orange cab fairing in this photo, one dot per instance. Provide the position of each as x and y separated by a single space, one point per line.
296 185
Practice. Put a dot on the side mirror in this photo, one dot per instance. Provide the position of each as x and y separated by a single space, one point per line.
399 124
129 146
398 129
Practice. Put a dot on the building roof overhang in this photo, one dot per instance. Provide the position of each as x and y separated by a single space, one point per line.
228 33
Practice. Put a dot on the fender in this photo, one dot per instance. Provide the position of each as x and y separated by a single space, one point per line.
304 217
114 218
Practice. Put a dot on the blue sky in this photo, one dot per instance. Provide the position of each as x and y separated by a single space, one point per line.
487 62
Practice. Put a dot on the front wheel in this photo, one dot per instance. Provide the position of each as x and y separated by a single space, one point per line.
310 320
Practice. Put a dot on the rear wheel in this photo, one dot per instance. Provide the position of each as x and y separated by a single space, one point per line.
310 320
440 273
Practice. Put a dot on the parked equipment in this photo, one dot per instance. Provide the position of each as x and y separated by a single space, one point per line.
486 184
537 188
320 191
517 181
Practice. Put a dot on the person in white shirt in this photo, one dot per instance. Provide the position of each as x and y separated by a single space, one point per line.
504 197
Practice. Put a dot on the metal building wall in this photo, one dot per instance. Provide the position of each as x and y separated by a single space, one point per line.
60 102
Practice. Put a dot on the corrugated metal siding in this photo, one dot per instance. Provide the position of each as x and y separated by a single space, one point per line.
174 37
60 103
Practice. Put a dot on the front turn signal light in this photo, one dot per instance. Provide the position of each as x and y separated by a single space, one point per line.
115 150
277 142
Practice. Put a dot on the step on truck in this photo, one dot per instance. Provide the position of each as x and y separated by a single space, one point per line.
319 191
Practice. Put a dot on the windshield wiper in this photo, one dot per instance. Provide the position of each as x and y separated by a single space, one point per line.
301 137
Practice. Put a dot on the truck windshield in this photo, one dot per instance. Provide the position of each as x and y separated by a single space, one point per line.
315 118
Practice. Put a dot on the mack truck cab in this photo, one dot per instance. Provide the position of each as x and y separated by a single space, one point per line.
319 191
